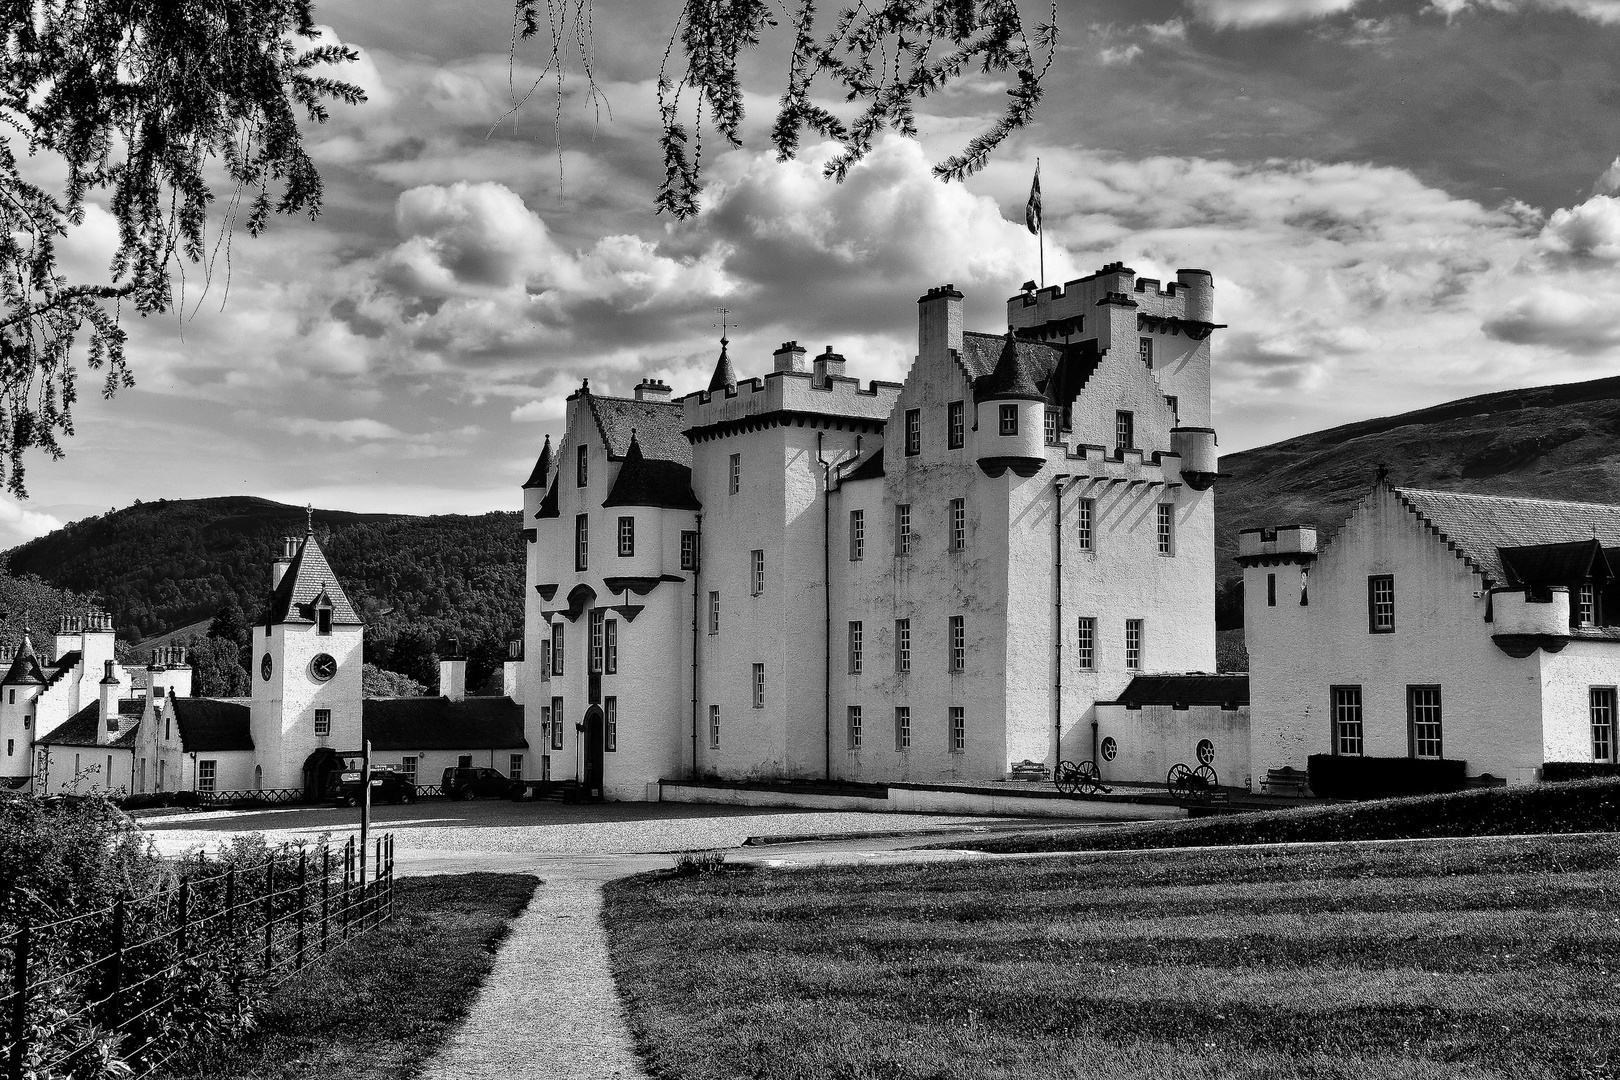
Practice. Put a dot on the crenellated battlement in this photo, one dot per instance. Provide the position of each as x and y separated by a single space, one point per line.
1068 309
791 391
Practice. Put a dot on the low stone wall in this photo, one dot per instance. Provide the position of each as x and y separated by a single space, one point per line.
917 799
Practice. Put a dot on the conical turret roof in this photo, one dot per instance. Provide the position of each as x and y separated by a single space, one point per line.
641 482
542 468
1011 378
25 669
725 378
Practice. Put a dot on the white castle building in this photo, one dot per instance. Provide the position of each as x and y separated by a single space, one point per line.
797 576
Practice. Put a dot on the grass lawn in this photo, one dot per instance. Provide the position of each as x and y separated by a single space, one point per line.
1572 806
382 1005
1495 958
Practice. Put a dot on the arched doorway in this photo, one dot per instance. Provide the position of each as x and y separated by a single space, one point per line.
318 770
591 752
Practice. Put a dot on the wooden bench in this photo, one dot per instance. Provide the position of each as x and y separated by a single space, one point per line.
1286 781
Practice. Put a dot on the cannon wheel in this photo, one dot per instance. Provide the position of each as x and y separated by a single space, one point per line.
1090 778
1207 780
1067 777
1179 781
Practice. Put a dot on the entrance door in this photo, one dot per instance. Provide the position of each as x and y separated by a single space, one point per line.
591 747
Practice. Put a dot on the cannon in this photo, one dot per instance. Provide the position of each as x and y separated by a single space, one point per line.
1082 779
1192 785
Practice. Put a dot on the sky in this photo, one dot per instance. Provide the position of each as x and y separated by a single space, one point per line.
1402 203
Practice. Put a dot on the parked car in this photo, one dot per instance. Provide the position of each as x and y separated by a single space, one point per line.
386 786
461 782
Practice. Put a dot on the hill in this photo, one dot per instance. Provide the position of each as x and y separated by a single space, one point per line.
162 566
1547 442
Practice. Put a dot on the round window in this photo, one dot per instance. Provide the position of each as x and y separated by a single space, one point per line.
1206 752
265 667
1110 749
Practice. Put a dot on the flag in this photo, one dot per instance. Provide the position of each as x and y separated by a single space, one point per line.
1032 209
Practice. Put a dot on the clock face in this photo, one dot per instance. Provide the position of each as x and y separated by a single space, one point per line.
265 667
323 667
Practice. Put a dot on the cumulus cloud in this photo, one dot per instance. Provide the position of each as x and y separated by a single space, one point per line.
1118 55
1248 14
18 525
1590 230
341 430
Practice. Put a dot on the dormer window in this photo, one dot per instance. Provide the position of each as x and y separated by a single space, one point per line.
323 619
1008 415
1586 605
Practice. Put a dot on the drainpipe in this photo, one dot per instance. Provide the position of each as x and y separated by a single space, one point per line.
826 602
1057 646
697 565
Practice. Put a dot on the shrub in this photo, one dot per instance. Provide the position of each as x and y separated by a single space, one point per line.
693 863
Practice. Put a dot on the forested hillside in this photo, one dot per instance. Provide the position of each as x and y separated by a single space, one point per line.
418 581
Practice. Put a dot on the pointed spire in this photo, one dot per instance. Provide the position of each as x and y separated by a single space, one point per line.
724 377
542 468
1010 379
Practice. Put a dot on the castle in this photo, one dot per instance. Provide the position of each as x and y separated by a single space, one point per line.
797 576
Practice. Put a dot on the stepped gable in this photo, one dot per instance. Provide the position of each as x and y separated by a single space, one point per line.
663 484
542 467
1478 527
306 579
658 426
214 724
437 723
62 665
25 668
1230 691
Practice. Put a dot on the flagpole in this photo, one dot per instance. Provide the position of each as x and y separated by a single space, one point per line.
1040 235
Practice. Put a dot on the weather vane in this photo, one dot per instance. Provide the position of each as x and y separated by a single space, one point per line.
309 518
724 322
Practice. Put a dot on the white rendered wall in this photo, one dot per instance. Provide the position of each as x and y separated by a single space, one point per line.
1567 679
1154 738
17 728
283 722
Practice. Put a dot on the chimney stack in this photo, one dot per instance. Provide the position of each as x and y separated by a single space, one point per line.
789 357
652 390
827 366
939 321
278 568
512 675
107 730
453 673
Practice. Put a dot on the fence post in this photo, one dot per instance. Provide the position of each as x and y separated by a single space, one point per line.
269 912
19 1003
326 895
185 914
348 878
376 901
303 905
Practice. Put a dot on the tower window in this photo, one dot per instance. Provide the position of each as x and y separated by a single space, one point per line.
1133 644
611 644
1008 415
598 643
1085 650
1167 528
627 537
855 641
857 537
1051 426
958 655
1083 512
582 466
958 524
1124 432
1271 590
557 648
854 727
955 425
689 550
958 736
582 541
714 727
756 560
902 727
610 724
902 645
714 613
556 723
1175 406
323 721
913 432
759 686
1145 350
902 529
1381 604
736 473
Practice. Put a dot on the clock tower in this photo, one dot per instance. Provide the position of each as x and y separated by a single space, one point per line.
306 671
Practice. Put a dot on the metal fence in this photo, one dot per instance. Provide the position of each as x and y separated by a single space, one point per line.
137 978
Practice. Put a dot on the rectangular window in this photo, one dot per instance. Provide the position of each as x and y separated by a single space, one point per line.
610 724
1423 720
1603 723
556 723
1586 607
855 636
958 524
736 473
857 535
902 645
1008 416
610 663
714 727
956 425
1271 590
206 772
958 657
689 551
1145 350
902 727
1167 529
1085 649
407 766
714 613
1051 425
759 686
1083 512
582 458
1175 406
854 727
582 541
546 731
627 537
514 766
902 529
545 661
1124 432
756 559
597 626
323 721
1347 730
913 432
1133 644
958 737
1381 604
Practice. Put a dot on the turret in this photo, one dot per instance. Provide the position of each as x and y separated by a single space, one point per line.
724 378
1543 613
1011 417
1275 562
1200 463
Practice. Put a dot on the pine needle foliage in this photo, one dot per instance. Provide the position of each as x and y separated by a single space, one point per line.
132 106
882 58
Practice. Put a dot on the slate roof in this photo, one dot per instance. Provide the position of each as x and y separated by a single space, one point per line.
437 723
1014 375
131 706
982 352
1198 689
1556 564
869 469
548 505
302 584
542 467
725 377
214 724
665 484
1481 525
25 668
657 425
78 729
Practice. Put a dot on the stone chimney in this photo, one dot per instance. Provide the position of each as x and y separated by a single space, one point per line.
652 390
453 673
939 321
107 730
154 678
789 357
512 675
178 673
278 568
828 365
